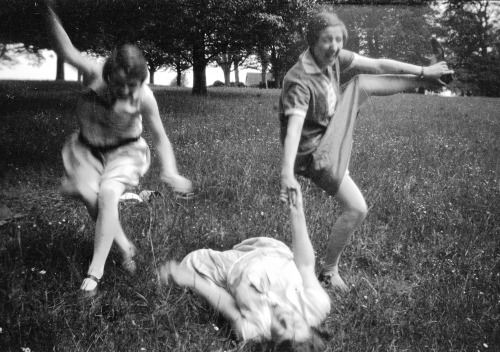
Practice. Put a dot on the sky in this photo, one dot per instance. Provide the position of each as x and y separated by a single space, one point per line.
27 70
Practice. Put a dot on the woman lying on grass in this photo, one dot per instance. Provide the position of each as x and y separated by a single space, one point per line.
270 294
107 156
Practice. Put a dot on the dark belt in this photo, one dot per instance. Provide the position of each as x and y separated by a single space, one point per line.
105 148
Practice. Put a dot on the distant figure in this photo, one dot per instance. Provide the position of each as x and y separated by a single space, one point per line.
107 156
270 294
317 120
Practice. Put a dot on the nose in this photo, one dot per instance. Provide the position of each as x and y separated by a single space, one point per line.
335 46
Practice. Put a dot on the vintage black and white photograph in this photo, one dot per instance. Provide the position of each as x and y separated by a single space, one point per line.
250 175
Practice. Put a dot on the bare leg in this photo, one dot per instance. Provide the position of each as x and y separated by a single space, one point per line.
331 159
89 199
381 85
108 228
82 191
334 150
354 211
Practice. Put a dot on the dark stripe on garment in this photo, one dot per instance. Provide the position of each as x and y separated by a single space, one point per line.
97 150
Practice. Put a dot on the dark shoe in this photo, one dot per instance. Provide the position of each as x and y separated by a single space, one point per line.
438 51
183 195
89 286
325 280
333 282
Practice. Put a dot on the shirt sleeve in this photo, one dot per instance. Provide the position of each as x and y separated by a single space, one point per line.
346 59
295 99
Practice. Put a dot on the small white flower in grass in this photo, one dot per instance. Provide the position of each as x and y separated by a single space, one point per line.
32 269
485 345
43 272
1 330
26 349
216 328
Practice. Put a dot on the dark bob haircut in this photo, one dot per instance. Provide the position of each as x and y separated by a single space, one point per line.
128 58
319 22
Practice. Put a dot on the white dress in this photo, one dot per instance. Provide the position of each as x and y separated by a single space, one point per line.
260 273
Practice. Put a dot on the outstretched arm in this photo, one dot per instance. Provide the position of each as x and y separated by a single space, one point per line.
291 145
170 174
64 48
303 256
303 252
381 66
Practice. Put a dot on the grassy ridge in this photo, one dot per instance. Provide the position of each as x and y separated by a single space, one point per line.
424 267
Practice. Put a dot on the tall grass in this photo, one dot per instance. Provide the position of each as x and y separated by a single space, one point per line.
424 268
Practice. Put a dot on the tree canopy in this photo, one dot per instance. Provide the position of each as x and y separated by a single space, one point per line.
183 34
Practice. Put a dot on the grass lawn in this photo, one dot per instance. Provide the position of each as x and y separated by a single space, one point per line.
424 269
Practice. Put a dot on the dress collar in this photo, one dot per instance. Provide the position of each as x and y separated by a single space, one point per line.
310 66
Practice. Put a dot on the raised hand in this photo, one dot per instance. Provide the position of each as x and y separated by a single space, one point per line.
290 187
179 183
438 56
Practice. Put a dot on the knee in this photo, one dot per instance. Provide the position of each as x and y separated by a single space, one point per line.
109 193
357 213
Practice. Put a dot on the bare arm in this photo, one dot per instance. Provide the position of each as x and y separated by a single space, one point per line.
215 295
291 145
303 252
170 174
303 256
433 72
64 48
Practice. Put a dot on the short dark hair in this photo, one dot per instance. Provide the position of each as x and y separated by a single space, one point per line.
315 343
319 22
129 58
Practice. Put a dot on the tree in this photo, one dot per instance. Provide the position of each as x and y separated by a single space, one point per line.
207 28
21 31
472 29
180 64
276 32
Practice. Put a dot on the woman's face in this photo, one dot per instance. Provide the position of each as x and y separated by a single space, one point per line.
123 87
288 325
328 46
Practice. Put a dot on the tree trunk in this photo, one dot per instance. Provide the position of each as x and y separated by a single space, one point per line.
227 76
265 63
236 72
263 76
152 75
179 76
199 79
199 69
225 64
60 69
